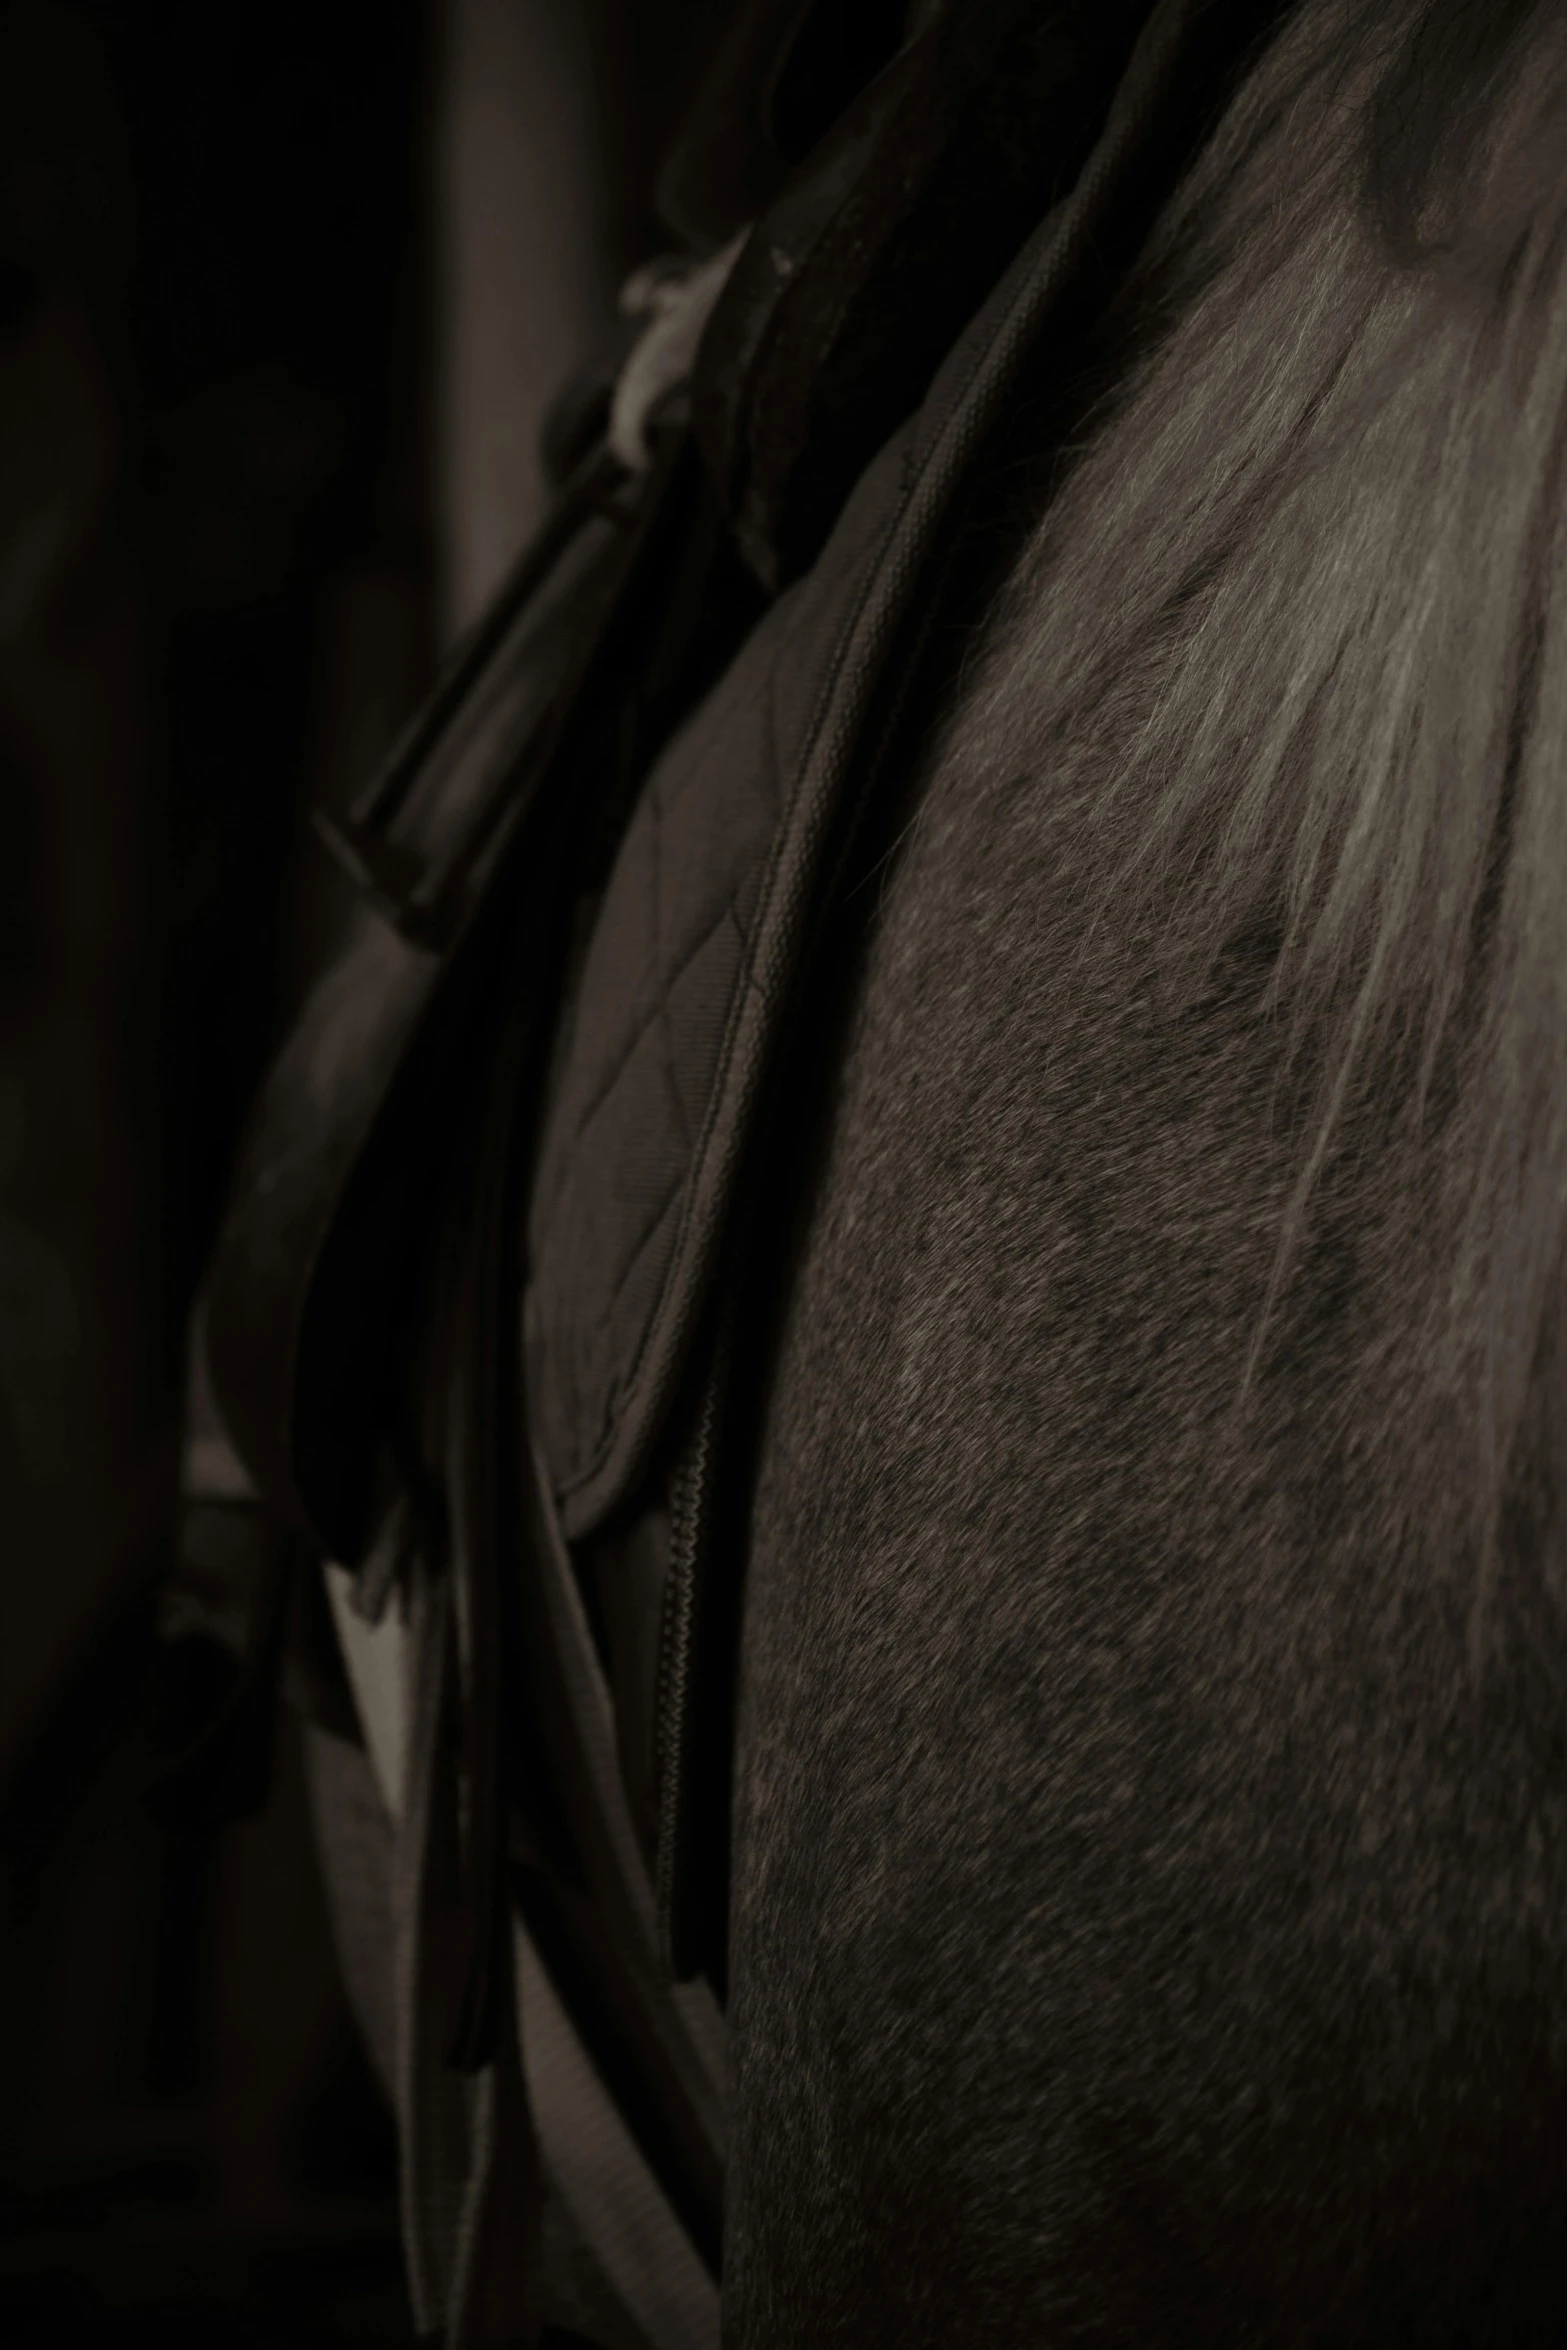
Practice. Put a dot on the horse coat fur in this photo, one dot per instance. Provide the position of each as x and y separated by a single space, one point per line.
1150 1913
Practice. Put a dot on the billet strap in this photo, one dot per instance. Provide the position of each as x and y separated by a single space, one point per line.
672 2038
445 2118
469 2185
468 2200
602 2177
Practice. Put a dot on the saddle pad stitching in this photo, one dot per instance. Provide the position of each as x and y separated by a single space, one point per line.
645 1024
645 1237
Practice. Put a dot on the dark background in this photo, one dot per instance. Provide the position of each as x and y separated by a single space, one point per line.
281 292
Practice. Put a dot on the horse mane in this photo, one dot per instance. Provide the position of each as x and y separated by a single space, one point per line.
1289 648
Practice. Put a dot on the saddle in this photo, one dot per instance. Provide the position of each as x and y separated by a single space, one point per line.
486 1327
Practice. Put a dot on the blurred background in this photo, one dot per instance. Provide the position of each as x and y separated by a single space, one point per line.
283 294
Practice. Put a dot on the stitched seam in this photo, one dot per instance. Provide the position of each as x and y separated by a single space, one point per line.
641 1243
648 1021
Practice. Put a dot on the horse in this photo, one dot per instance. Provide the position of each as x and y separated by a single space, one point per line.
1149 1918
1148 1907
